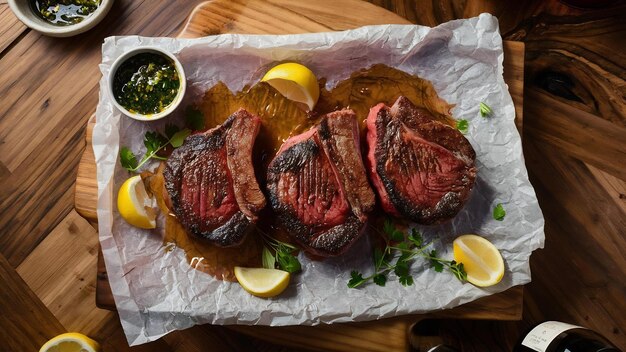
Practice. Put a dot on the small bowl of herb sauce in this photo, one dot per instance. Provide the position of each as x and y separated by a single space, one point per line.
147 83
60 18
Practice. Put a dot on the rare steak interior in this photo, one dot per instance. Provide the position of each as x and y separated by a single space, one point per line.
318 186
421 168
210 181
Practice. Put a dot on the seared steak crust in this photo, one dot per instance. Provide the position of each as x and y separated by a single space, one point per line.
421 168
318 187
210 181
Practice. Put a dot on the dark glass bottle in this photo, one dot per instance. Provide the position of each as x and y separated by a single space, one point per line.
554 336
443 348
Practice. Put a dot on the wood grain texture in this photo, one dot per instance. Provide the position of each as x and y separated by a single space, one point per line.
575 66
42 127
85 189
379 336
26 322
10 27
589 272
564 127
60 272
283 17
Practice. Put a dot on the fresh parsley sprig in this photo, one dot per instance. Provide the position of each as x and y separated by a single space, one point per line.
279 254
437 263
154 142
404 251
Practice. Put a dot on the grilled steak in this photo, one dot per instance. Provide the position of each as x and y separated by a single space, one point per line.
211 184
421 168
318 186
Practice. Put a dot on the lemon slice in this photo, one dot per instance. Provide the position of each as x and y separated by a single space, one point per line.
481 260
262 282
134 204
295 82
70 342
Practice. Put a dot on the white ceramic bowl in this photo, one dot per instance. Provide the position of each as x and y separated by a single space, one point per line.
23 11
181 89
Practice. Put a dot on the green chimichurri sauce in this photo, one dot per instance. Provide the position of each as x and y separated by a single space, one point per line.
146 83
64 12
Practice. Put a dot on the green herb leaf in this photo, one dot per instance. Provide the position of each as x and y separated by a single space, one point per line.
416 238
402 268
269 262
288 262
435 262
391 231
404 251
286 247
397 236
406 280
128 159
485 110
437 266
380 279
459 271
153 142
356 279
178 138
462 126
283 254
194 118
403 246
498 212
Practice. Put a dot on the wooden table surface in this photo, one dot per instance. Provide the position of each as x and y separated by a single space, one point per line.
574 139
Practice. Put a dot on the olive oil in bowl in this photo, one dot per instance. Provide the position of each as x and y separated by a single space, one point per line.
147 83
64 12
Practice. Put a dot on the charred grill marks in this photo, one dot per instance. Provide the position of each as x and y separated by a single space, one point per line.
210 181
422 169
318 187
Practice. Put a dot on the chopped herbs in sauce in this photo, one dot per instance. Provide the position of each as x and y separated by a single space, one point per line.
64 12
146 83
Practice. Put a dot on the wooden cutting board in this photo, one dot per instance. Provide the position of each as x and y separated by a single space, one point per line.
302 16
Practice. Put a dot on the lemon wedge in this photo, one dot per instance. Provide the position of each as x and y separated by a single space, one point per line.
134 204
481 260
70 342
262 282
295 82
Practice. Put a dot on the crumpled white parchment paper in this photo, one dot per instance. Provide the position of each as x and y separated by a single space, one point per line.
156 291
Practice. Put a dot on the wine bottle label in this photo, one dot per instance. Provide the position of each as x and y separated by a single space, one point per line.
540 337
